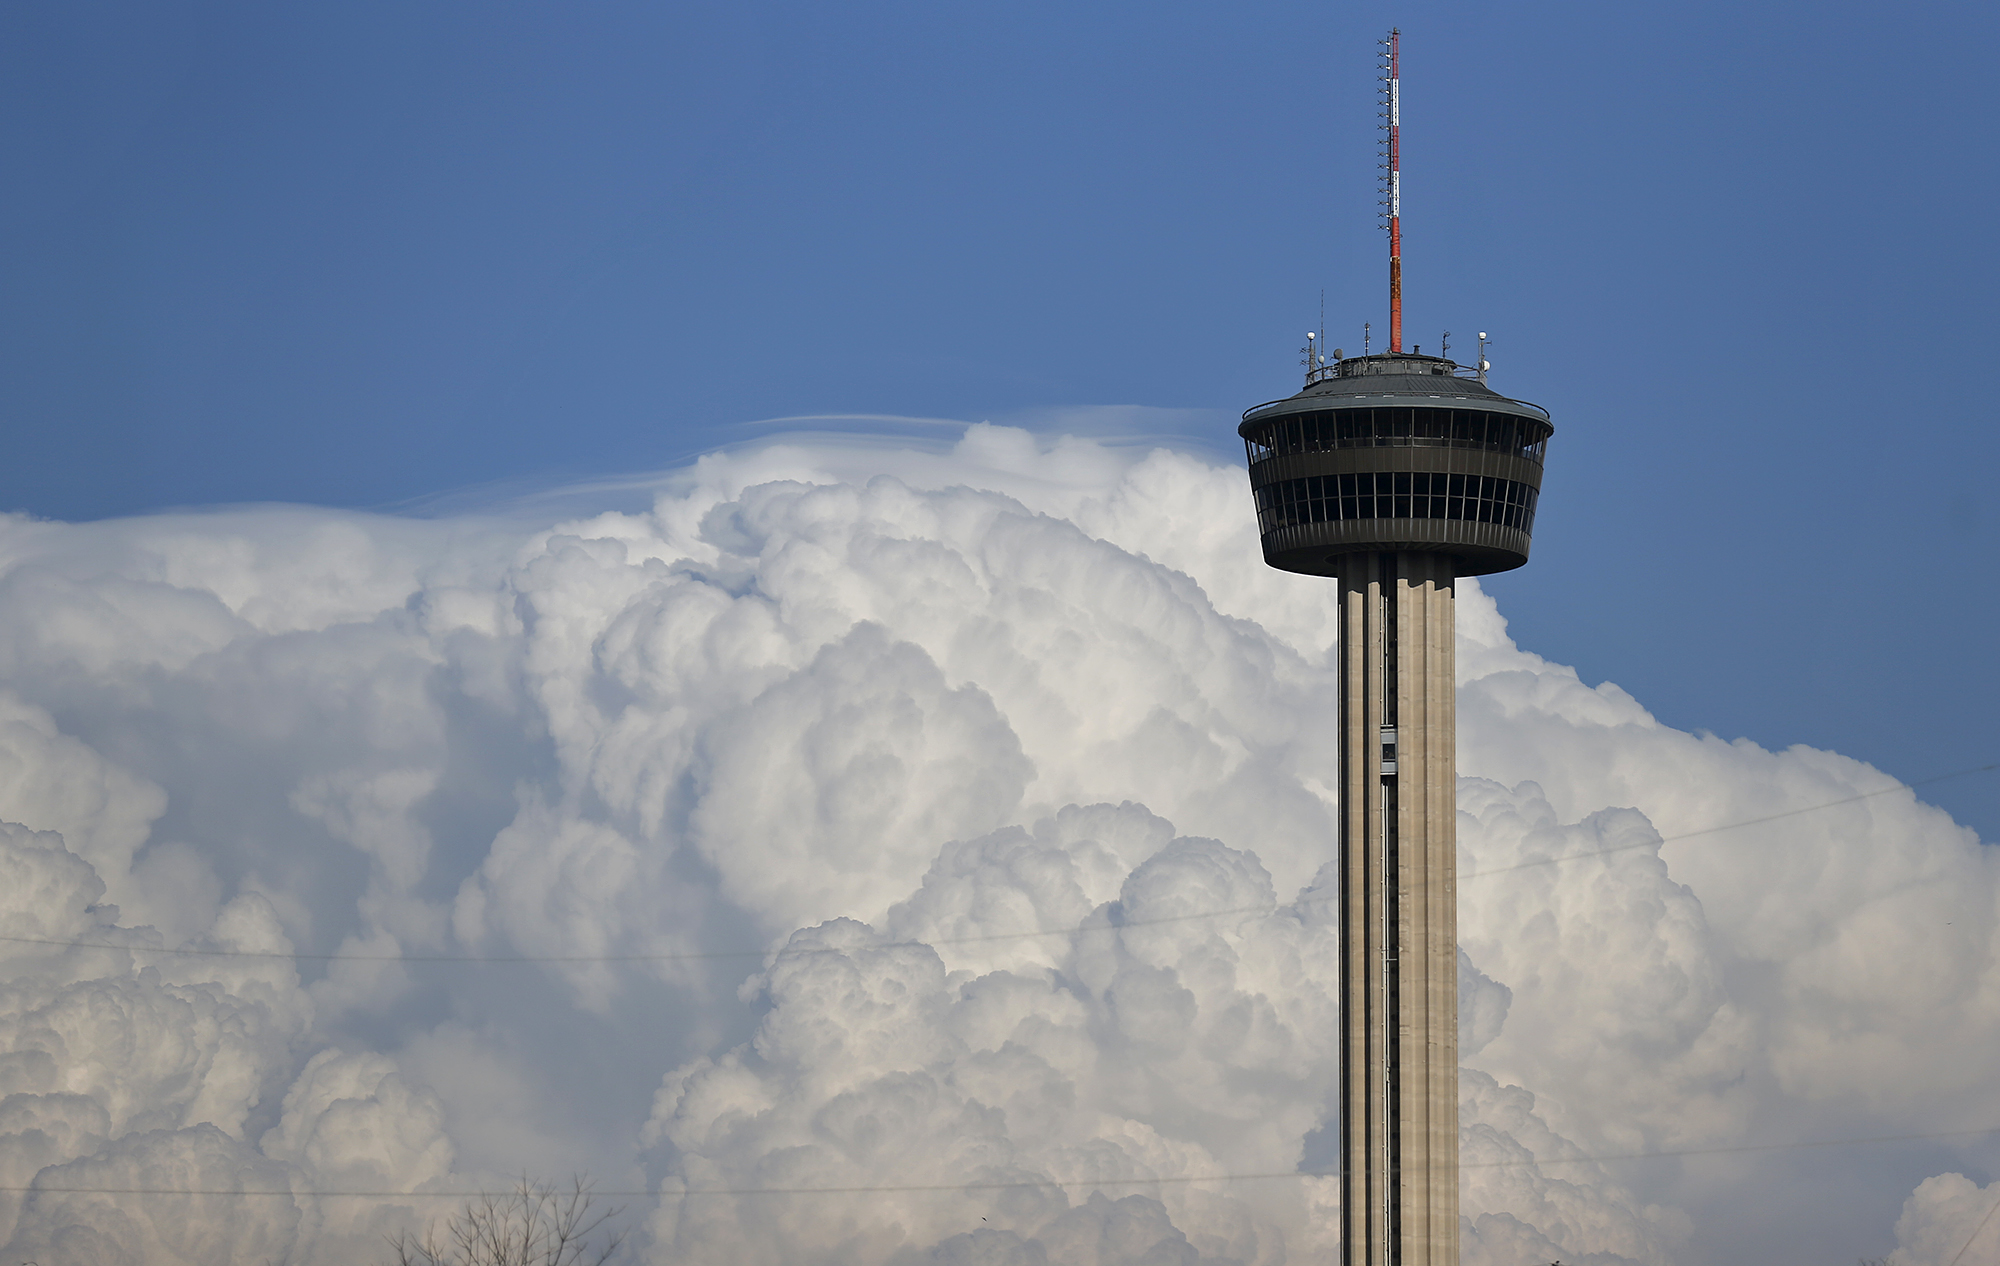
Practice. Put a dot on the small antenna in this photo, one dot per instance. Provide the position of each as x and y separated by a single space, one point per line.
1306 355
1483 366
1322 321
1392 178
1444 344
1364 338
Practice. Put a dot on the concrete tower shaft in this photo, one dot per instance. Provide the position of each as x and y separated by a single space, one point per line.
1398 911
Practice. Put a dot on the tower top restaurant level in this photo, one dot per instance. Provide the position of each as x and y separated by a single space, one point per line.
1396 452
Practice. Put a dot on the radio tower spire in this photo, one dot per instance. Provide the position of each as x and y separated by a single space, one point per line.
1392 179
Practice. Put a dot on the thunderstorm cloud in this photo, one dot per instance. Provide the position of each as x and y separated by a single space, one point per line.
947 826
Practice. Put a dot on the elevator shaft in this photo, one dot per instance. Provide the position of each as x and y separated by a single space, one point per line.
1398 911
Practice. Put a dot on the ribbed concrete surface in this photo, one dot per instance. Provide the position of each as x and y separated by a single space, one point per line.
1399 914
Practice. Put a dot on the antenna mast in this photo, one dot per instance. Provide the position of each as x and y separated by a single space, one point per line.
1392 182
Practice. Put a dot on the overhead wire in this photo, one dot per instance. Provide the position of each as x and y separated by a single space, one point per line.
1017 1184
1955 1257
981 938
1730 826
1009 1184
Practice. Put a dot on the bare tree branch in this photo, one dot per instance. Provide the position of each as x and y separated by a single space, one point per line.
536 1224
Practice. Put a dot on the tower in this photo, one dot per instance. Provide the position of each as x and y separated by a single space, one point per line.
1394 474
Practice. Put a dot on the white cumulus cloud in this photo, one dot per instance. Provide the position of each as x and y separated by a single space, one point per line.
946 825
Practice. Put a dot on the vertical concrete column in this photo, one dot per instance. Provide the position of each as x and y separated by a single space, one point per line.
1365 1064
1398 912
1427 774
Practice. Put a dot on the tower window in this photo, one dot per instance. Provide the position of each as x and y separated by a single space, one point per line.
1398 427
1395 495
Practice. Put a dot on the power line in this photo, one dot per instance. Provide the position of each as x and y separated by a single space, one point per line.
1975 1233
1731 826
1079 929
1008 1185
697 956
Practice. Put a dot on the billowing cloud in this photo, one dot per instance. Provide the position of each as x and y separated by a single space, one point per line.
947 827
132 1080
1947 1220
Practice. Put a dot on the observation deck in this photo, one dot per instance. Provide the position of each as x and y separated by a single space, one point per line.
1396 452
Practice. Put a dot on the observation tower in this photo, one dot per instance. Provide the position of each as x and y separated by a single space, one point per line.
1395 473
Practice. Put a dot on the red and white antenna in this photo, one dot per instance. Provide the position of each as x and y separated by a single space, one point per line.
1392 179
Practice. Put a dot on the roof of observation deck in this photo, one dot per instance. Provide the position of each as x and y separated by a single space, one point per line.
1392 379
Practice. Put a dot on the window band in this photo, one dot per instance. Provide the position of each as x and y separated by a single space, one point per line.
1395 495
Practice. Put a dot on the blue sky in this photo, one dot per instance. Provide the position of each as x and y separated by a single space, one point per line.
362 255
